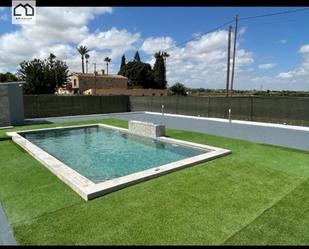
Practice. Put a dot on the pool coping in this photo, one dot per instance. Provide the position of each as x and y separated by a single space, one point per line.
90 190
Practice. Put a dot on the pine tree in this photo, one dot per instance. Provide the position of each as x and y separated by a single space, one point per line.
123 63
136 57
159 71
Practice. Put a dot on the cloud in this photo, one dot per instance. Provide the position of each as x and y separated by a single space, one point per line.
117 41
301 72
286 75
304 49
283 41
4 17
60 31
267 66
297 78
242 30
201 62
152 44
198 63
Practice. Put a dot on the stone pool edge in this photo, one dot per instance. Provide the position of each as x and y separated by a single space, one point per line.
89 190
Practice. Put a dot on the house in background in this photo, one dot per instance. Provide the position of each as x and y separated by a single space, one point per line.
103 84
85 81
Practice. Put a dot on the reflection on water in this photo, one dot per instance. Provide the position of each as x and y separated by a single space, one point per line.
101 154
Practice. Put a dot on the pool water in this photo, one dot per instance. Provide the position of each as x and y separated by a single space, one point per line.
102 154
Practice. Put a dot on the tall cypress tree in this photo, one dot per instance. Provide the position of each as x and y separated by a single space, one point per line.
136 57
159 71
123 63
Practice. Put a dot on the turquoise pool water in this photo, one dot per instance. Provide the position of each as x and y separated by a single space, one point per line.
102 154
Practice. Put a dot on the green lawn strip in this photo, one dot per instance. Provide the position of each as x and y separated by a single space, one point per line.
17 170
291 161
45 199
27 188
203 204
116 122
286 223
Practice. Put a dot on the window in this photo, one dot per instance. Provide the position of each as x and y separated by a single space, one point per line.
74 82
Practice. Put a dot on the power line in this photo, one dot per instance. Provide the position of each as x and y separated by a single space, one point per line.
231 21
243 18
198 36
273 14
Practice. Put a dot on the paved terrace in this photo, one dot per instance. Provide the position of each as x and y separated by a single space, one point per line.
6 233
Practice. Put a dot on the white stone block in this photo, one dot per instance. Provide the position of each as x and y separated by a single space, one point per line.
146 129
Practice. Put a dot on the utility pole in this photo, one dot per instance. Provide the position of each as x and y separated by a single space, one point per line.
228 61
234 54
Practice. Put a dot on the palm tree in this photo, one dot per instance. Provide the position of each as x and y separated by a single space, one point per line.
51 58
83 50
165 55
87 56
107 60
157 54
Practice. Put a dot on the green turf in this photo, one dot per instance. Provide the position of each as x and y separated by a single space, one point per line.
249 197
285 223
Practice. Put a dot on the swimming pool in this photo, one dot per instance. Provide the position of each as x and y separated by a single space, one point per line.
97 159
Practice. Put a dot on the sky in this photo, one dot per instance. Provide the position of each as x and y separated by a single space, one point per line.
271 52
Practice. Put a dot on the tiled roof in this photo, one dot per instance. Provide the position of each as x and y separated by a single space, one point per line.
85 75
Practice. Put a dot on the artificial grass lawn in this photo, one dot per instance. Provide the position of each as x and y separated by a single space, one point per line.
256 195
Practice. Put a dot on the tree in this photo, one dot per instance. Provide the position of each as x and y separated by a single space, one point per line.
107 60
123 63
51 58
8 77
51 64
139 74
87 56
83 50
178 89
165 55
42 76
159 71
137 57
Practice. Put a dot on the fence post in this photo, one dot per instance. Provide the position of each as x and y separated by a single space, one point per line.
100 102
251 101
176 108
129 105
36 106
208 106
